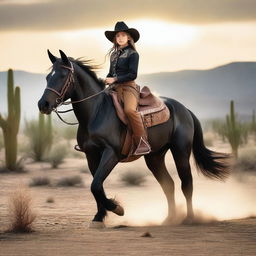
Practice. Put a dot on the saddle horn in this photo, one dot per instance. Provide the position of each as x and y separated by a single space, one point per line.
51 56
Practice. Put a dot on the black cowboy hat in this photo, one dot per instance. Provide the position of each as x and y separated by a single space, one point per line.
121 26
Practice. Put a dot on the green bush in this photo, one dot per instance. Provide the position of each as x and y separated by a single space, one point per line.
1 141
39 133
57 155
69 132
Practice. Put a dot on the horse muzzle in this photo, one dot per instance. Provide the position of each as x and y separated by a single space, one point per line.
45 107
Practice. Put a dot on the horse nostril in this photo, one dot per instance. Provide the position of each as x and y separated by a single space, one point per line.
46 104
43 105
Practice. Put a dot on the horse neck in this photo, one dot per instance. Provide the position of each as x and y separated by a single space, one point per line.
86 86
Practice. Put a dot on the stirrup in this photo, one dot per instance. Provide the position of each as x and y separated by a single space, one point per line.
77 148
142 140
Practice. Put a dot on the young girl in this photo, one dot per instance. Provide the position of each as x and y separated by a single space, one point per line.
124 61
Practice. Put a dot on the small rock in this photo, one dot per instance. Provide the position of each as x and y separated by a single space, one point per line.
146 234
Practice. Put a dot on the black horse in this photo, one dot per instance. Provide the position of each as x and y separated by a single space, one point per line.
99 135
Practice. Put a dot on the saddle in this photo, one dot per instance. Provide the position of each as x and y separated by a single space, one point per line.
153 111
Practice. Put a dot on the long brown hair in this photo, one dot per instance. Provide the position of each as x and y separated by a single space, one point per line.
116 46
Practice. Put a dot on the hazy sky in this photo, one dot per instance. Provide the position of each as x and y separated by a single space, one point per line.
175 34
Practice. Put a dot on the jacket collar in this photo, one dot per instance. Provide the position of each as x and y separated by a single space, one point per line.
123 49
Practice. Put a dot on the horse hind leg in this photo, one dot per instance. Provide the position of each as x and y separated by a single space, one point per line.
181 157
155 162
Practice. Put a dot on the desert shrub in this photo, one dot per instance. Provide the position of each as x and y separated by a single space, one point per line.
19 167
218 126
133 179
76 154
71 181
246 161
40 181
69 132
208 139
57 155
40 135
20 211
1 140
85 170
50 200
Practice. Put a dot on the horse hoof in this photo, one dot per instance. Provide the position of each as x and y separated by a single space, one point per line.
96 225
169 221
119 210
188 221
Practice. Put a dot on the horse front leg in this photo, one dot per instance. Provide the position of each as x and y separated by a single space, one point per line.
93 160
107 162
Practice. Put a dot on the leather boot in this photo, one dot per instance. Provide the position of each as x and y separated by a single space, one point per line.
142 146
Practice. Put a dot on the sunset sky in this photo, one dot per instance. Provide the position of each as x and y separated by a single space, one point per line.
175 34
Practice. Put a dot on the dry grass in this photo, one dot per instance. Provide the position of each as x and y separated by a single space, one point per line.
209 139
18 168
71 181
57 155
133 179
20 211
85 170
246 161
50 200
40 181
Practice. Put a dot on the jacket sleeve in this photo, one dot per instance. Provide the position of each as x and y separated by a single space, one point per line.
133 69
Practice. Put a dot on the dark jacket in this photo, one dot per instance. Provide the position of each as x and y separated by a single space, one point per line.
124 64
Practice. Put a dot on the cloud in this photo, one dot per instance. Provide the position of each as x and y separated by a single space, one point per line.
82 14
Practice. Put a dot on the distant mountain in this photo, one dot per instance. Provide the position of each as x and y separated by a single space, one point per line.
32 86
206 92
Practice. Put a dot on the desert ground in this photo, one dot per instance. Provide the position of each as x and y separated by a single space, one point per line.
225 214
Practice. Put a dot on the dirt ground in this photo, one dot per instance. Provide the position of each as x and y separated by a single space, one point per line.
225 211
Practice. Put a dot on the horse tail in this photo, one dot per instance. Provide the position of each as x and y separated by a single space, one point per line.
212 164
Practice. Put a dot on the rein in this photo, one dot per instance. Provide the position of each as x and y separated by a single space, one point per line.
69 81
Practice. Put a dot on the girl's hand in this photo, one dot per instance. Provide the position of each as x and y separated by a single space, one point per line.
110 80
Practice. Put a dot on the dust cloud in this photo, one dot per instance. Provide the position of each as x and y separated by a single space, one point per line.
212 200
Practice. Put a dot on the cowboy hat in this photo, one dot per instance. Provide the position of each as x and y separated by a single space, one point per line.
121 26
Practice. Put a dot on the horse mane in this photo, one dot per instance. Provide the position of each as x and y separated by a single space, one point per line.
90 69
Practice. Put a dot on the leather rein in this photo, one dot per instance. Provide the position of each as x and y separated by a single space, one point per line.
60 100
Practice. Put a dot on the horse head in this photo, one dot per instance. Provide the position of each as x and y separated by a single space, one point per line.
59 83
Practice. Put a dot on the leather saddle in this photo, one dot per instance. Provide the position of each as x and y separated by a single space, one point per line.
153 112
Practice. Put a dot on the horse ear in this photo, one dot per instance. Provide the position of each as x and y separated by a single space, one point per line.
64 58
51 56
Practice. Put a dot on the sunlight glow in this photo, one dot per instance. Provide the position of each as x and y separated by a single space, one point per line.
152 33
160 33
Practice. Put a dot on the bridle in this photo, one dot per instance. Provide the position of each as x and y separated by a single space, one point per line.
69 81
60 100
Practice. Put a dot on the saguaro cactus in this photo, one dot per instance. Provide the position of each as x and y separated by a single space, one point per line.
45 135
11 123
253 124
234 130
